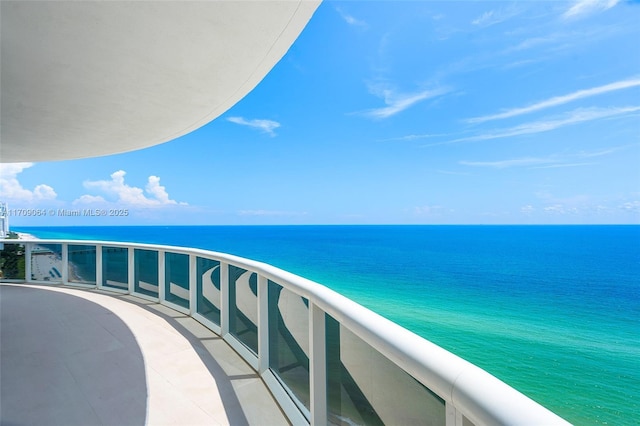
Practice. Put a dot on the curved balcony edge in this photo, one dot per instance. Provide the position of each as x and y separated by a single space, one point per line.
469 392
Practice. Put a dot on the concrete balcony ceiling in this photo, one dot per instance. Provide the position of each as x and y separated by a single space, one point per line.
86 78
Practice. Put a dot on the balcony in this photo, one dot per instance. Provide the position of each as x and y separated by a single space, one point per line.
157 334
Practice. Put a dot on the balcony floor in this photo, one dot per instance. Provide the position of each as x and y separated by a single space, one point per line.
72 356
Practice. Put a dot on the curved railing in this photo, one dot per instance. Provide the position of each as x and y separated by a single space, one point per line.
325 358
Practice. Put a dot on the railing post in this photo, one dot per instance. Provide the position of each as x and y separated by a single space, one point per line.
224 298
131 269
98 265
65 263
162 276
263 324
317 365
454 417
27 262
193 296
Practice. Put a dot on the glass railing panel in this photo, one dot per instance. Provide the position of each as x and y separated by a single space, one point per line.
243 306
12 261
289 340
82 264
208 289
177 279
146 272
115 267
365 387
46 262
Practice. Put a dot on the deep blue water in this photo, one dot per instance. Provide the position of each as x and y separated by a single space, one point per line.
552 310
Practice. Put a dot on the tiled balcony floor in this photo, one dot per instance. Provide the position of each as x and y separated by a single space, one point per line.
85 357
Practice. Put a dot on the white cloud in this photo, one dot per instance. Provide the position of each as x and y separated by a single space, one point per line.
483 19
576 116
266 126
89 199
603 152
552 161
581 8
12 190
528 209
449 172
428 210
503 164
557 166
536 41
350 19
556 208
44 192
398 102
269 213
493 17
632 206
560 100
521 63
158 191
129 195
413 137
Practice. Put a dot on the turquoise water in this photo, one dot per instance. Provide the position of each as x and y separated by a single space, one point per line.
552 310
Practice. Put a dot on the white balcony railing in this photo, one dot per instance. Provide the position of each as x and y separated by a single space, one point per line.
325 358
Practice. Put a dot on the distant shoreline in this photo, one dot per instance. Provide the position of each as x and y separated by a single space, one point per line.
25 236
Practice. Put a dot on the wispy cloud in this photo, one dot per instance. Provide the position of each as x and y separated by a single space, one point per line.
349 19
631 206
515 162
397 102
602 152
484 19
558 166
582 204
449 172
548 162
528 209
493 17
522 63
270 213
558 209
560 100
413 137
581 8
428 210
266 126
535 41
580 115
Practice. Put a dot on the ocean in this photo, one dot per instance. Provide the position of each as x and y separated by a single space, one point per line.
554 311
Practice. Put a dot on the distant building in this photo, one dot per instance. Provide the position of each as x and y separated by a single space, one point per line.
4 220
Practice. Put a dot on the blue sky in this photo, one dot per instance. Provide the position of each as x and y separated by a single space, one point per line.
396 113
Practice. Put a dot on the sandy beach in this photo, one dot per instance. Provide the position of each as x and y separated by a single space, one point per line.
45 266
25 236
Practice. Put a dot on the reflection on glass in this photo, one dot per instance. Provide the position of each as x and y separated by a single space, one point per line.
146 272
289 340
177 279
115 267
364 387
208 289
12 262
82 264
46 262
243 306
